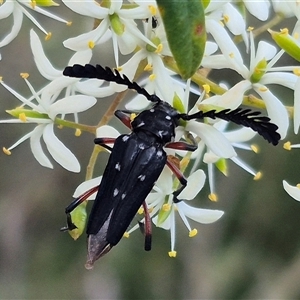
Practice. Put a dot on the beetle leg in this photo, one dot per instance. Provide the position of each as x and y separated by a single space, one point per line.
104 141
76 202
180 177
148 228
123 116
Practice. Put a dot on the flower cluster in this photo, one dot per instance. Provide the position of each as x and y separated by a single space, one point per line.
141 32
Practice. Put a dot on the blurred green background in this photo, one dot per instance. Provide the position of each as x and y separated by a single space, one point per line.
252 252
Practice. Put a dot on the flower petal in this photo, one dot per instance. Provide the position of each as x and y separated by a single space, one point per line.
36 147
59 151
71 104
213 139
200 215
87 185
293 191
195 183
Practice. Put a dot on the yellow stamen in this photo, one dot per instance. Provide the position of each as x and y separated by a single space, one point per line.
152 77
193 232
69 23
296 71
166 207
284 31
48 36
6 151
298 185
213 197
140 211
91 44
263 89
172 253
126 234
206 88
77 132
296 35
250 28
22 117
119 69
254 148
33 4
148 68
1 78
257 176
159 48
132 116
60 126
287 146
226 18
231 55
24 75
152 9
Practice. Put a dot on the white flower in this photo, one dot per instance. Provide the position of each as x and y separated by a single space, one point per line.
163 208
17 9
44 114
115 21
260 73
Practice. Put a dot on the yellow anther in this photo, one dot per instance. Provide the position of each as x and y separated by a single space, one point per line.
226 18
6 151
152 77
193 232
48 36
77 132
119 69
250 28
69 23
213 197
257 176
254 148
22 117
152 9
1 78
296 35
126 234
24 75
60 126
221 23
150 210
287 146
298 185
206 88
263 89
231 55
284 31
132 116
140 211
296 71
172 253
148 68
91 44
33 4
166 207
159 48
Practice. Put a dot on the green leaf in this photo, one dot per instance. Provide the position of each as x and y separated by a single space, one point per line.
184 23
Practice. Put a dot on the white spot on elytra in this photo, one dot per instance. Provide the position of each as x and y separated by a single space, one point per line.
125 138
141 124
142 146
142 177
151 110
168 117
123 196
159 153
118 166
116 192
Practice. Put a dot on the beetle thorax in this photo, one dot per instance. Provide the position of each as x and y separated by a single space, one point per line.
161 121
